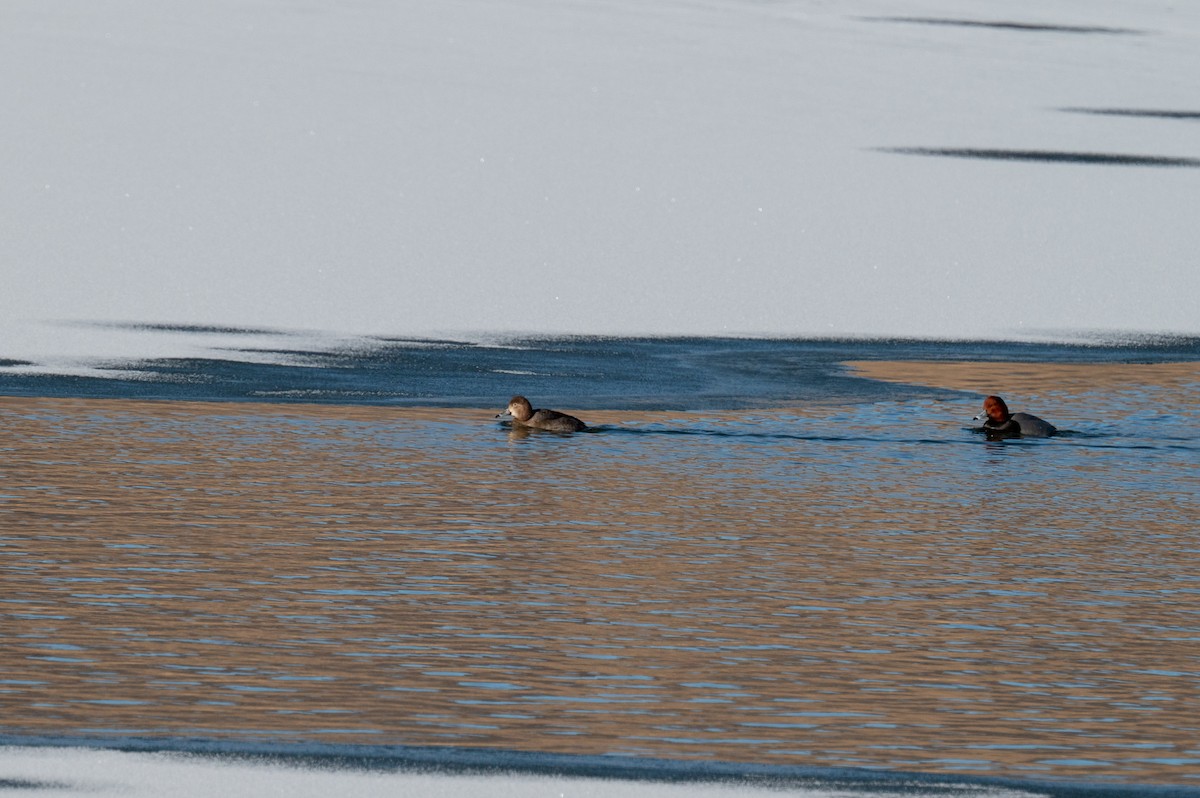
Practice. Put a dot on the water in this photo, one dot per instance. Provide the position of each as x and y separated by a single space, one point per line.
772 558
584 372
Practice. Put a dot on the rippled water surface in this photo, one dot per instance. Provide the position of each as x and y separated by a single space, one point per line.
841 584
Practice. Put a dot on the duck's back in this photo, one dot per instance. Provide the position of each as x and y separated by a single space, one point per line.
555 421
1032 426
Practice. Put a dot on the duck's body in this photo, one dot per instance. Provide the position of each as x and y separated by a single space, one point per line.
1000 423
1034 427
521 412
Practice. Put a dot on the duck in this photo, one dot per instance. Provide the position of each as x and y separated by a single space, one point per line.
1000 423
520 412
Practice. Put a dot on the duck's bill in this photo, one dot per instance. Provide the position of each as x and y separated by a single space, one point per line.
505 416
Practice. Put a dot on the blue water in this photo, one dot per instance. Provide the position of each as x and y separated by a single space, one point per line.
578 372
795 574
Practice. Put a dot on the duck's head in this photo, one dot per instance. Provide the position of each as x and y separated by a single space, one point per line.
995 409
518 408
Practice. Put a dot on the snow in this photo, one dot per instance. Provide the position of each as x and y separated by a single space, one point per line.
81 772
697 167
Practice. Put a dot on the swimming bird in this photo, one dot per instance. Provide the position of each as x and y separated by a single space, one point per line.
999 423
521 412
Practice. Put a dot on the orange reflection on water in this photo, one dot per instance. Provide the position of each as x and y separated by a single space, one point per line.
420 577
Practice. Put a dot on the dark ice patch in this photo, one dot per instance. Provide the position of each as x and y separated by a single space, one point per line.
205 329
1009 25
27 784
1136 112
1049 156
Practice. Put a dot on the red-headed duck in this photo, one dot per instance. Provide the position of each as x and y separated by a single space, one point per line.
999 423
520 412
